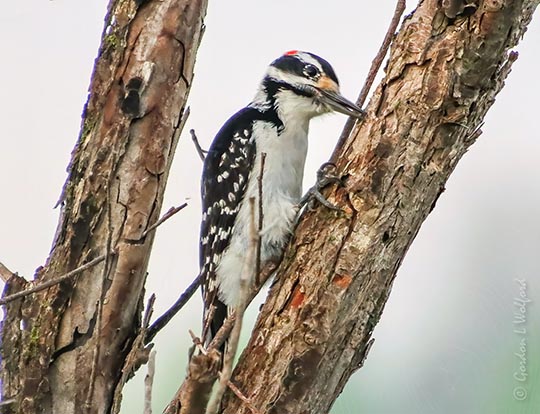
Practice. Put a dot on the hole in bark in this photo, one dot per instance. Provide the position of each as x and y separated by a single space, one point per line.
469 10
130 104
385 237
134 83
131 101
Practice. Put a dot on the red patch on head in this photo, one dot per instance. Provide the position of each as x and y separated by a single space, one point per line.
290 53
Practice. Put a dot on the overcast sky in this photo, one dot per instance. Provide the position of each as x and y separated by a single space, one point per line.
446 340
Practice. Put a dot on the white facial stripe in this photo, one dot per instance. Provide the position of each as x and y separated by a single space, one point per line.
308 59
290 78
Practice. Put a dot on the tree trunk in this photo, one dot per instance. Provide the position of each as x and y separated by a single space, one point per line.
63 349
314 330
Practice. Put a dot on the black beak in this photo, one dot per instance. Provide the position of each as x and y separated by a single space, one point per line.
340 104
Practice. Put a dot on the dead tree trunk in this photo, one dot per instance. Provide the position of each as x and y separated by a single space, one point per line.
63 349
447 64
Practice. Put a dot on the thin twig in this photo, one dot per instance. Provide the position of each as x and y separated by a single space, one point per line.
197 342
373 70
245 277
223 333
475 134
137 356
195 387
173 310
5 273
243 398
202 153
208 318
261 216
216 342
149 383
383 51
171 212
54 281
9 401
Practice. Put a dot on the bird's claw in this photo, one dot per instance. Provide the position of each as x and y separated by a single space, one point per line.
314 194
325 176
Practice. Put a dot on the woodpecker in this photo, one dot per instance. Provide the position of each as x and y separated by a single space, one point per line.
296 87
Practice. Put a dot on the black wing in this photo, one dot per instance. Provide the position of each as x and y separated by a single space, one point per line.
225 177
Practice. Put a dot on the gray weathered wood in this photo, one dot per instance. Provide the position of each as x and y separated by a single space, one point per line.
75 336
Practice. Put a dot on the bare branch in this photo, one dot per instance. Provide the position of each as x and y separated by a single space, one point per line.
173 310
223 333
202 153
171 212
149 382
197 342
208 317
261 217
374 69
54 281
383 51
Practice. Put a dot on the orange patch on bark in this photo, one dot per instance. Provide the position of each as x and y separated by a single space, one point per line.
297 298
342 281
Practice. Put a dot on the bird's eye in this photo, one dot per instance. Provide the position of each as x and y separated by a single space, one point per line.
311 71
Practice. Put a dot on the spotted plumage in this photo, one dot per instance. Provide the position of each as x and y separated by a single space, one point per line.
226 172
297 87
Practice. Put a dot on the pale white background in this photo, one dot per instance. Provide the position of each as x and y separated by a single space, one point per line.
445 343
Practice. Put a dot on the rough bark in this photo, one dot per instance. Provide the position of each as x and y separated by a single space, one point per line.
442 77
63 349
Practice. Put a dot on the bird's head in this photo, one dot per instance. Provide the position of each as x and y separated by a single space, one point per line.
303 80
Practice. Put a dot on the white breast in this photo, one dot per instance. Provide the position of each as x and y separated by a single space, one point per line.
282 189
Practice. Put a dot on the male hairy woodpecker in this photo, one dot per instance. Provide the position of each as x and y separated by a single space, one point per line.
297 87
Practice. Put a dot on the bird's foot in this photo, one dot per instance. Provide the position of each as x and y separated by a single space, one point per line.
325 175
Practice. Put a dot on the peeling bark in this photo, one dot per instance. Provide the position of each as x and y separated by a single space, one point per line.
63 349
447 64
